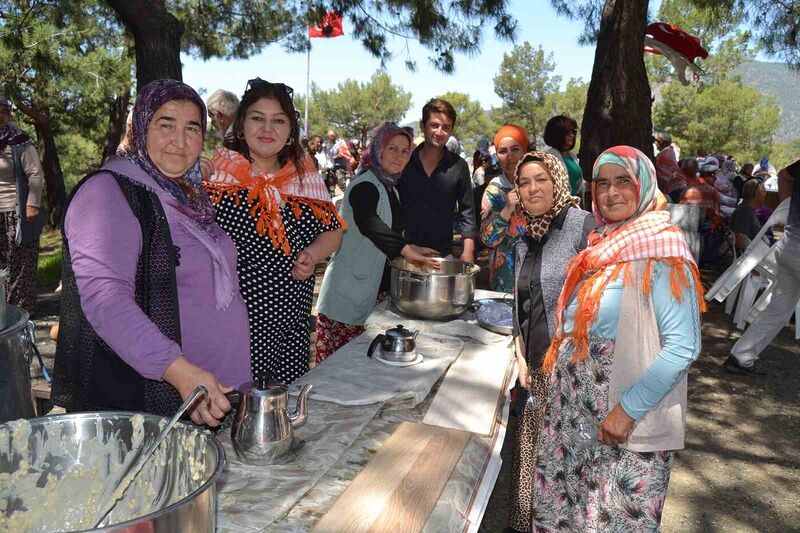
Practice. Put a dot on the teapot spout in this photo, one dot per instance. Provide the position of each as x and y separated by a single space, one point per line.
300 415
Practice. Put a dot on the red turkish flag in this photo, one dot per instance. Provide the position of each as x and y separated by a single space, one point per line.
330 26
685 44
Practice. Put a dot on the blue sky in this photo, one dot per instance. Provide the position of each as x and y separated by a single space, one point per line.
335 60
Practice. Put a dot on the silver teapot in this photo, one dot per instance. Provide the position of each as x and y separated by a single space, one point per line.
263 432
397 344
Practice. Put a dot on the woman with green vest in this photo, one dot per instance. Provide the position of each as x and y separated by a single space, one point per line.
358 272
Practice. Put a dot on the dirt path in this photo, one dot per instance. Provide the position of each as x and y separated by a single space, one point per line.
740 470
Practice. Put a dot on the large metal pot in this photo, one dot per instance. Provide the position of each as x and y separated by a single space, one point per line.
433 294
16 351
174 491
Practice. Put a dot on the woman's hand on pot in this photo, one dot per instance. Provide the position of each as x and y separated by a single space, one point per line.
185 377
616 427
420 256
303 267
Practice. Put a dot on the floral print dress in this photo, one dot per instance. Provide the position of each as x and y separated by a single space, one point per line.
499 234
603 488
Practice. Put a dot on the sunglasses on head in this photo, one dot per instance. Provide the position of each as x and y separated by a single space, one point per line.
258 82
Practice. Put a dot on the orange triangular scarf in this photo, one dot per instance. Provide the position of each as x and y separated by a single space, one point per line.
267 193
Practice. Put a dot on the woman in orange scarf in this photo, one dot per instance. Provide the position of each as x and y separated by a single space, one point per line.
272 202
627 329
502 223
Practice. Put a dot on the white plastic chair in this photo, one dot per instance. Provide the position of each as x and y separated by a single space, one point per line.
757 251
687 218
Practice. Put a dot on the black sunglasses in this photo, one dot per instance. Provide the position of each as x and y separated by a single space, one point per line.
258 82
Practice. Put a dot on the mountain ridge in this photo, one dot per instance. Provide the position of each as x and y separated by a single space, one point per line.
778 80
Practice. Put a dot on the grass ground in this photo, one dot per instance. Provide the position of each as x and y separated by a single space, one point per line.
48 273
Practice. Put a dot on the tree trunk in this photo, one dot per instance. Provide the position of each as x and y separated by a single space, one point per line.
156 36
54 177
48 154
116 123
618 101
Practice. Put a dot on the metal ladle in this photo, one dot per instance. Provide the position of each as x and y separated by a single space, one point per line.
133 470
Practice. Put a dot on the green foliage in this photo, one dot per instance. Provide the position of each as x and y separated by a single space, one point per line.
48 270
778 80
784 153
588 11
79 155
776 24
727 117
354 108
237 28
473 121
69 62
523 82
570 102
241 28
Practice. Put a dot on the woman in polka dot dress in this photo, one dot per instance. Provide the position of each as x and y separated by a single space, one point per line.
271 201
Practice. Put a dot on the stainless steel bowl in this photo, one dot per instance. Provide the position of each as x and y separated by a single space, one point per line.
175 491
433 294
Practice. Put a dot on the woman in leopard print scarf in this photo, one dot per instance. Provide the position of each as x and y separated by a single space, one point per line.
555 231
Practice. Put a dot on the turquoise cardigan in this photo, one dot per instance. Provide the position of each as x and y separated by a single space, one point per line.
354 273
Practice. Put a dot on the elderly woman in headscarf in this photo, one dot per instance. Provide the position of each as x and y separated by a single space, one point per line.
502 224
627 330
358 273
273 203
150 307
21 220
555 230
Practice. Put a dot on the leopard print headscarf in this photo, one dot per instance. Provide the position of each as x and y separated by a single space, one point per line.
538 226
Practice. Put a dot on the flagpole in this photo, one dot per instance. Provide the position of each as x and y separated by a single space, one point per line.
308 87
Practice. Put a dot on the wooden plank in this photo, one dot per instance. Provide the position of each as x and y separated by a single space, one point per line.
400 485
469 396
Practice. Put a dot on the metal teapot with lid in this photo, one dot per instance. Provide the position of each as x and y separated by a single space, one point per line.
397 344
263 431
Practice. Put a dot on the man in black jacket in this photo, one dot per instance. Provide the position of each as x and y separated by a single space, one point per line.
433 183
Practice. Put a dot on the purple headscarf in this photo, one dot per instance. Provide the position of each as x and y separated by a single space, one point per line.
151 97
371 160
11 135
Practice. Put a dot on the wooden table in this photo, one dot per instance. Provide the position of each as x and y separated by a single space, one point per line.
461 504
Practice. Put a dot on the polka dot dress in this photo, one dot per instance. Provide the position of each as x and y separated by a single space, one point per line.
278 306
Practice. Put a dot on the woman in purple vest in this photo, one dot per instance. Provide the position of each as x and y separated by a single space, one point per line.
151 305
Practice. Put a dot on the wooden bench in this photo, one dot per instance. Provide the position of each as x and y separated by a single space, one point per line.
40 393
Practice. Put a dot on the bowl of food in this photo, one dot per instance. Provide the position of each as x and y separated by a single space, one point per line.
495 314
58 473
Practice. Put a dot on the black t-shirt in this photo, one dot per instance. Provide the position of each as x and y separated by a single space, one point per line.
745 221
429 201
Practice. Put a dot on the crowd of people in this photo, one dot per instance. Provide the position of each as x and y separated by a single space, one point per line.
183 270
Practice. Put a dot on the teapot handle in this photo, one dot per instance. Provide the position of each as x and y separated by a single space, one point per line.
234 397
375 342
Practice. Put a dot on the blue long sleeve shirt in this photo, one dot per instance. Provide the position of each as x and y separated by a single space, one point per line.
679 330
